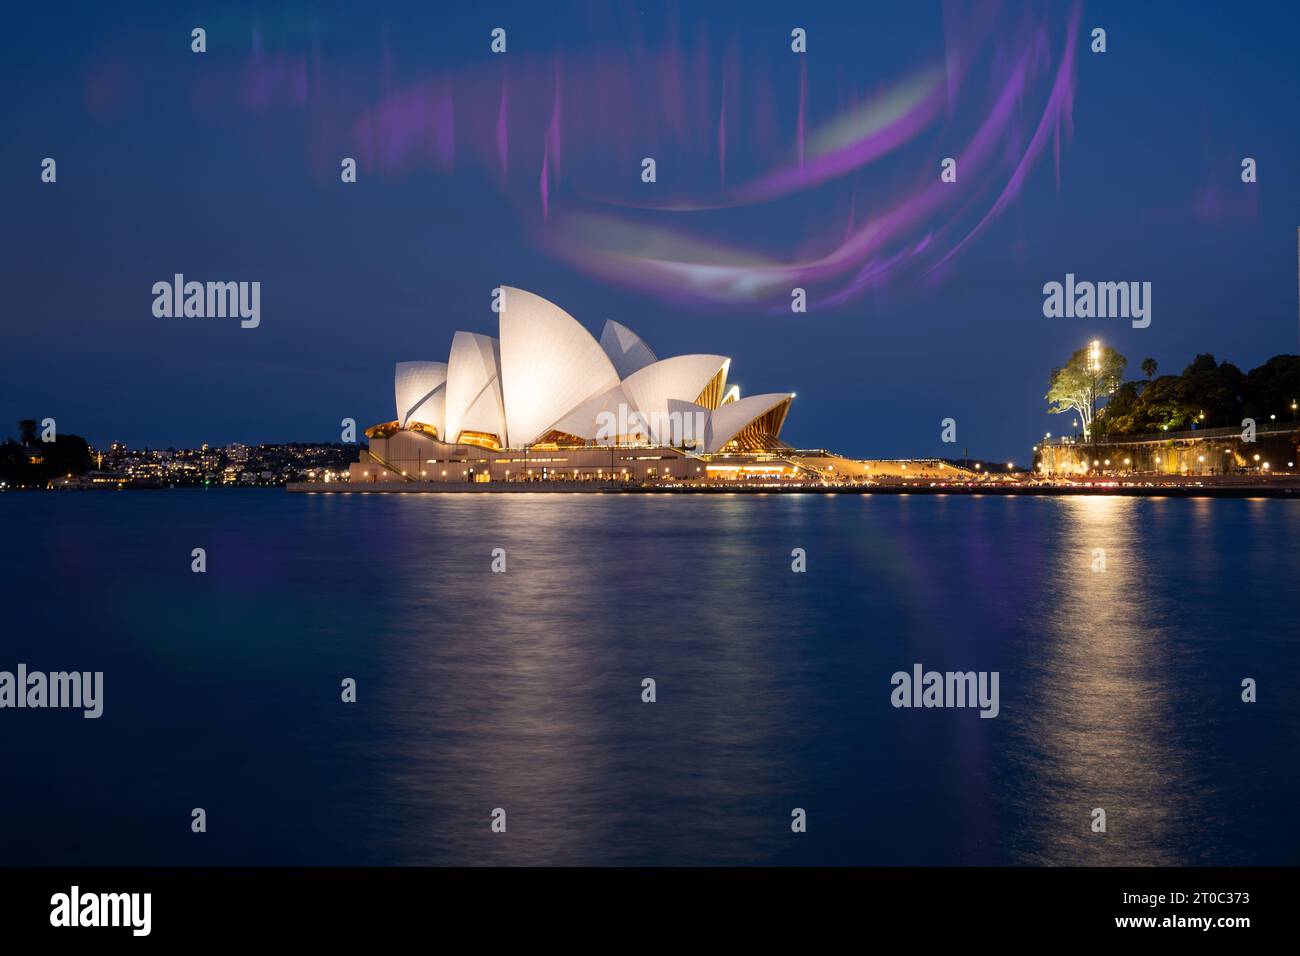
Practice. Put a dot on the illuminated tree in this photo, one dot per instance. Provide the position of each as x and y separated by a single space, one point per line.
1092 374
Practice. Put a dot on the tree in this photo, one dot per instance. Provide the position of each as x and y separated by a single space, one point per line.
1208 394
1161 408
1272 388
68 455
27 431
1119 410
24 466
1212 392
1149 367
1091 374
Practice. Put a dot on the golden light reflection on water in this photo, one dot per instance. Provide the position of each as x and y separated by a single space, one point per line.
1096 719
522 690
1119 690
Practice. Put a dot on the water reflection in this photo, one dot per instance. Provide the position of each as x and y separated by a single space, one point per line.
1120 689
1096 727
523 690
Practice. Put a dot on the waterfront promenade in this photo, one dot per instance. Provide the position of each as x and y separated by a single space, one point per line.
1281 487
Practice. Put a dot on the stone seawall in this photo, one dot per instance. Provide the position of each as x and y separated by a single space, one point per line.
1274 454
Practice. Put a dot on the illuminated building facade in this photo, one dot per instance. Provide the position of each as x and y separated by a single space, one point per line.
547 400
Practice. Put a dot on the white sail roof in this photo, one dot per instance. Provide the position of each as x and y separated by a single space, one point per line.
625 348
430 411
654 389
413 384
474 402
547 373
550 364
685 425
605 419
727 421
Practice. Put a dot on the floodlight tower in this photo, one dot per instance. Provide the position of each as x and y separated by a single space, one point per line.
1094 367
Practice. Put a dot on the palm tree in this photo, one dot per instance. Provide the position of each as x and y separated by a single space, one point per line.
1149 368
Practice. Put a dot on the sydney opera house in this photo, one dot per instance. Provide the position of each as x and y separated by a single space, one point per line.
546 400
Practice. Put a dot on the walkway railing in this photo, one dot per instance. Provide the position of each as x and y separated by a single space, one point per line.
397 472
1271 428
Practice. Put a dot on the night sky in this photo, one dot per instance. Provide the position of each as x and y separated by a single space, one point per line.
524 169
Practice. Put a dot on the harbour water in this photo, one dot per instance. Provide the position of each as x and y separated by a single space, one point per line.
1120 682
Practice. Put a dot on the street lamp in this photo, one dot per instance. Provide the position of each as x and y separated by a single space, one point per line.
1094 366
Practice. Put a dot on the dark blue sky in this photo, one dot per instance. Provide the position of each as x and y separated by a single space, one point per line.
224 167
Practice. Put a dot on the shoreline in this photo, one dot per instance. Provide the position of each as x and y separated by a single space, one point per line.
1287 491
